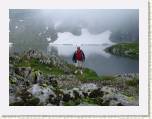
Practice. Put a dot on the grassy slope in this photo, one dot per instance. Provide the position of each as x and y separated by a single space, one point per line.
35 65
88 74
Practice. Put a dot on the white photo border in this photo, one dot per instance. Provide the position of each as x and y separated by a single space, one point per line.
141 110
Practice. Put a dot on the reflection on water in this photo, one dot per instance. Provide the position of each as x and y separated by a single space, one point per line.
97 59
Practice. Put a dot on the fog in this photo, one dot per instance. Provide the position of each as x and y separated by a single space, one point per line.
122 23
93 18
84 38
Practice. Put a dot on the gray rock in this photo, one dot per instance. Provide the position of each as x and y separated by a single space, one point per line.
41 93
88 86
23 71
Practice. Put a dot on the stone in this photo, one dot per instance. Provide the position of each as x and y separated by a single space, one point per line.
76 94
53 82
23 71
96 93
42 93
55 101
66 97
85 94
99 101
88 86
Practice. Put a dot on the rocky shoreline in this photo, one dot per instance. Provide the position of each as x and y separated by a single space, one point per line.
130 50
36 79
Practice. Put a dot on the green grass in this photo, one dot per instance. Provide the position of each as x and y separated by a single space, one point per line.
88 74
107 78
133 82
34 64
88 100
72 102
126 46
125 49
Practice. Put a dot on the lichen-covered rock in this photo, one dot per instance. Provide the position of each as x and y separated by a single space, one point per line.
33 54
41 92
23 71
53 82
88 87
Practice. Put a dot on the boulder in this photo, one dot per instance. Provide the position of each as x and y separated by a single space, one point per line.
23 71
33 54
66 97
42 93
88 87
54 100
53 82
96 93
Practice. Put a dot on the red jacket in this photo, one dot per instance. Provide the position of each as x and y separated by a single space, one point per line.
78 55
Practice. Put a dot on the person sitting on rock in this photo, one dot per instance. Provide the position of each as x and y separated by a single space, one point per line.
79 58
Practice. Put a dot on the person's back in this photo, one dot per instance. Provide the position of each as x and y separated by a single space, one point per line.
79 59
79 55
